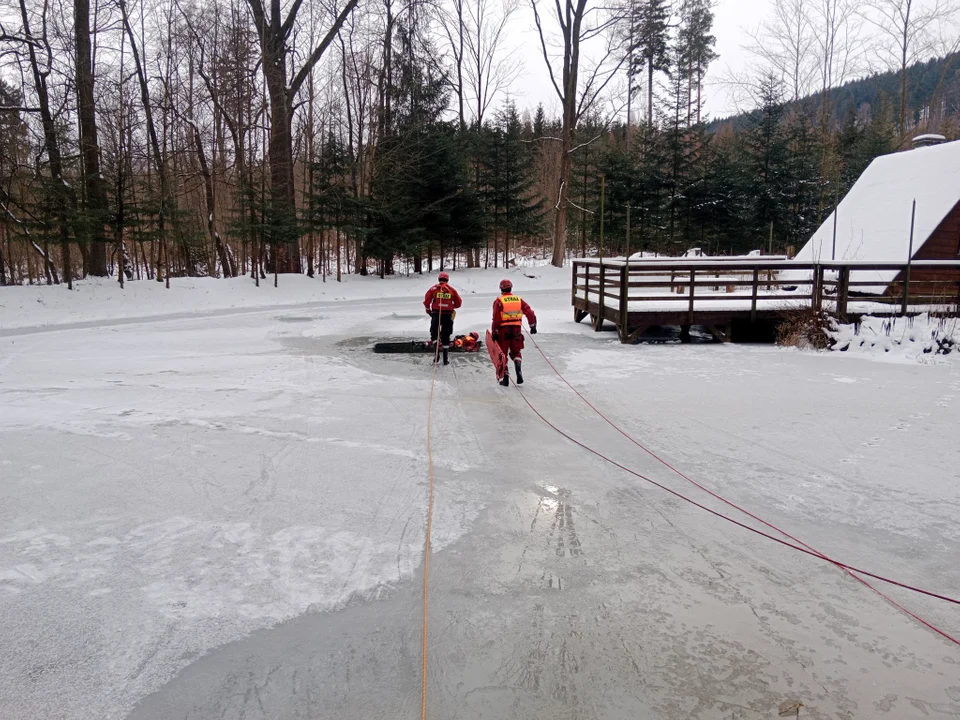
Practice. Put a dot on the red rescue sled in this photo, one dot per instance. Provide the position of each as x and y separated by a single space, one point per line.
497 356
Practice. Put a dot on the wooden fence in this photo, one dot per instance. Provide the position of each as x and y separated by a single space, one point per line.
718 293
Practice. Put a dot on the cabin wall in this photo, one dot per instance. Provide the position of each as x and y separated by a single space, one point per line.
943 244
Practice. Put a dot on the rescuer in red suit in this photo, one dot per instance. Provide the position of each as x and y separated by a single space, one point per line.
441 303
508 313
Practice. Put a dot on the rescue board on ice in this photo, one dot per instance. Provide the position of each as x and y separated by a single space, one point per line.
497 356
415 346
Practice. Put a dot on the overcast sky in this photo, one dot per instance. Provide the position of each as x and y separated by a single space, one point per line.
731 19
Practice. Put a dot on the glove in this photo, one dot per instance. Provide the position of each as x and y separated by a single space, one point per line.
533 329
495 335
429 313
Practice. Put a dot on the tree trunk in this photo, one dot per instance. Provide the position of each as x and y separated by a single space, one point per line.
903 83
560 219
274 32
52 147
226 264
154 144
284 243
95 192
650 92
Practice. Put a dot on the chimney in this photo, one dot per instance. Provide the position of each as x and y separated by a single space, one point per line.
928 139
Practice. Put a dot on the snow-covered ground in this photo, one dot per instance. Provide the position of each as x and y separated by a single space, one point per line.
213 508
95 300
911 339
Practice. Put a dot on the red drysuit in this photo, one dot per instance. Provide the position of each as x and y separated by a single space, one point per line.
508 312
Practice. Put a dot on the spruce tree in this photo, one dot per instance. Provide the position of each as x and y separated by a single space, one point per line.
584 195
621 181
420 182
650 40
767 155
805 184
329 205
509 194
696 51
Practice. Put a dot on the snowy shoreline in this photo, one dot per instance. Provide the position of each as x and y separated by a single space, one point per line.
92 300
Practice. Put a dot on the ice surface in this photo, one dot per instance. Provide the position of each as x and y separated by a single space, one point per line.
223 515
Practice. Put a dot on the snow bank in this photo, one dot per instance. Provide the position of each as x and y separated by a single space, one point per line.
95 300
913 339
699 253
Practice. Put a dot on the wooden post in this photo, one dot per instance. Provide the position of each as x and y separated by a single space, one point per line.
753 300
906 279
816 301
624 294
836 207
693 278
603 182
843 291
573 287
626 254
602 295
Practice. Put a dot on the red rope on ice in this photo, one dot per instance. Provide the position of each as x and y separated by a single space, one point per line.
799 546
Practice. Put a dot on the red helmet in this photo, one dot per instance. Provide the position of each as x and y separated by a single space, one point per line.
443 277
475 336
506 286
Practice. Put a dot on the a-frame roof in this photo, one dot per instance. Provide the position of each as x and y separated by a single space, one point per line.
873 220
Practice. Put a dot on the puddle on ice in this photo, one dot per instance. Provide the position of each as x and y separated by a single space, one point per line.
298 318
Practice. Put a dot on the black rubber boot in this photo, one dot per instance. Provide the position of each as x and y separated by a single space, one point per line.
506 380
446 360
516 364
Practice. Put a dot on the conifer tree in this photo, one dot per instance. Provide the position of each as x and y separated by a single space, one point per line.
512 206
650 40
767 155
695 51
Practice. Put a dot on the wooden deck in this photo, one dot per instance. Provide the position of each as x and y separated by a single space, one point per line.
724 294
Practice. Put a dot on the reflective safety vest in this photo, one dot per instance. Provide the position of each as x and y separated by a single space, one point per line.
512 313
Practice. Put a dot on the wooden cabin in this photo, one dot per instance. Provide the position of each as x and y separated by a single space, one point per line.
873 221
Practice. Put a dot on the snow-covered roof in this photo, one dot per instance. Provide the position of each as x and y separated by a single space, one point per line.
873 220
929 138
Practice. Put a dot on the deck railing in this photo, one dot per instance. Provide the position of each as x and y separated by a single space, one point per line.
746 287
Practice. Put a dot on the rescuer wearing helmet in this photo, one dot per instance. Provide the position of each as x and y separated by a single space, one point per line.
441 303
508 313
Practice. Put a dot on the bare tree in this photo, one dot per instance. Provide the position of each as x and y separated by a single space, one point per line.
154 141
482 66
906 30
275 30
578 24
838 41
94 190
785 43
59 185
453 23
